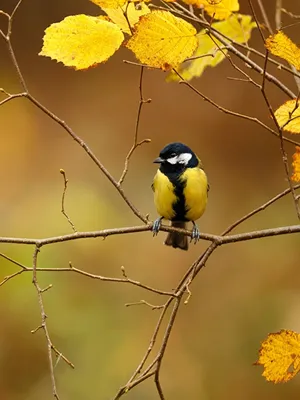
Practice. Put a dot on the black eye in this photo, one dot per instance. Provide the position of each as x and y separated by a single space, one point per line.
173 155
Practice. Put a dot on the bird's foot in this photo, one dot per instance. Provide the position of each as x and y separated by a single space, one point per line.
195 233
156 226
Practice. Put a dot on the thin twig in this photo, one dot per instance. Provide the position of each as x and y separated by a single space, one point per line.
44 324
146 303
278 11
137 124
164 346
290 14
63 200
137 64
13 261
9 277
265 16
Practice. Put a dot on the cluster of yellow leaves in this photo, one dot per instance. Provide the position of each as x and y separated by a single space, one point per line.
159 39
211 52
288 114
280 356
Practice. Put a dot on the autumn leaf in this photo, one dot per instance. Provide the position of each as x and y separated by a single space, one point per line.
280 356
288 116
219 9
109 3
211 52
282 46
133 13
80 41
163 40
296 165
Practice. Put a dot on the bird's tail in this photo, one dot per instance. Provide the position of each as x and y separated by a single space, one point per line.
175 239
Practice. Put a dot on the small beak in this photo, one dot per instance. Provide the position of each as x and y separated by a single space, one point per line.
158 160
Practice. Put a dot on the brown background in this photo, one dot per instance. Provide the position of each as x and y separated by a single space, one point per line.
246 291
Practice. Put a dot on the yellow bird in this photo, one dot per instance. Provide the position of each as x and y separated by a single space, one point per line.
180 192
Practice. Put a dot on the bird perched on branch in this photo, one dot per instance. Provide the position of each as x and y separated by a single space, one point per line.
180 192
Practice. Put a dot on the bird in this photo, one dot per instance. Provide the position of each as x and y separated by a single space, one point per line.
180 189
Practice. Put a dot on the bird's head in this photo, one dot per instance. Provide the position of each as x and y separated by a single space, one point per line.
176 157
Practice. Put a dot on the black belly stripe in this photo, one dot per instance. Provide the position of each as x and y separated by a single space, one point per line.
179 206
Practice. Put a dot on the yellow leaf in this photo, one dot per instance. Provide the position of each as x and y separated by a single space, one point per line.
281 45
280 356
237 27
219 9
296 165
133 12
288 116
80 41
163 40
109 3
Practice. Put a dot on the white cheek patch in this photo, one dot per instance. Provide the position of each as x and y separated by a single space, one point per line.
173 160
184 158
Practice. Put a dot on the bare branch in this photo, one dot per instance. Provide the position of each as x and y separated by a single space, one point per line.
284 230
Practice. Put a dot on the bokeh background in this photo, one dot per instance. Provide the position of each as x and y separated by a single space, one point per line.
246 290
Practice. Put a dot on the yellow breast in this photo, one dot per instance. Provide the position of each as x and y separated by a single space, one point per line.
195 192
164 196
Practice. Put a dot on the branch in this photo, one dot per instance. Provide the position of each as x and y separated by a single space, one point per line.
164 228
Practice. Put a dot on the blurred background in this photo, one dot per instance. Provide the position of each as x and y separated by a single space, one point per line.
246 290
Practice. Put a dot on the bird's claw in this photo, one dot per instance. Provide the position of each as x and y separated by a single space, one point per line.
156 226
195 233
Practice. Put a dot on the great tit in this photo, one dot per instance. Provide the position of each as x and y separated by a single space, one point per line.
180 189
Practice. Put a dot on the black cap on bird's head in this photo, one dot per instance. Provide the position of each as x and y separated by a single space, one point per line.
177 155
